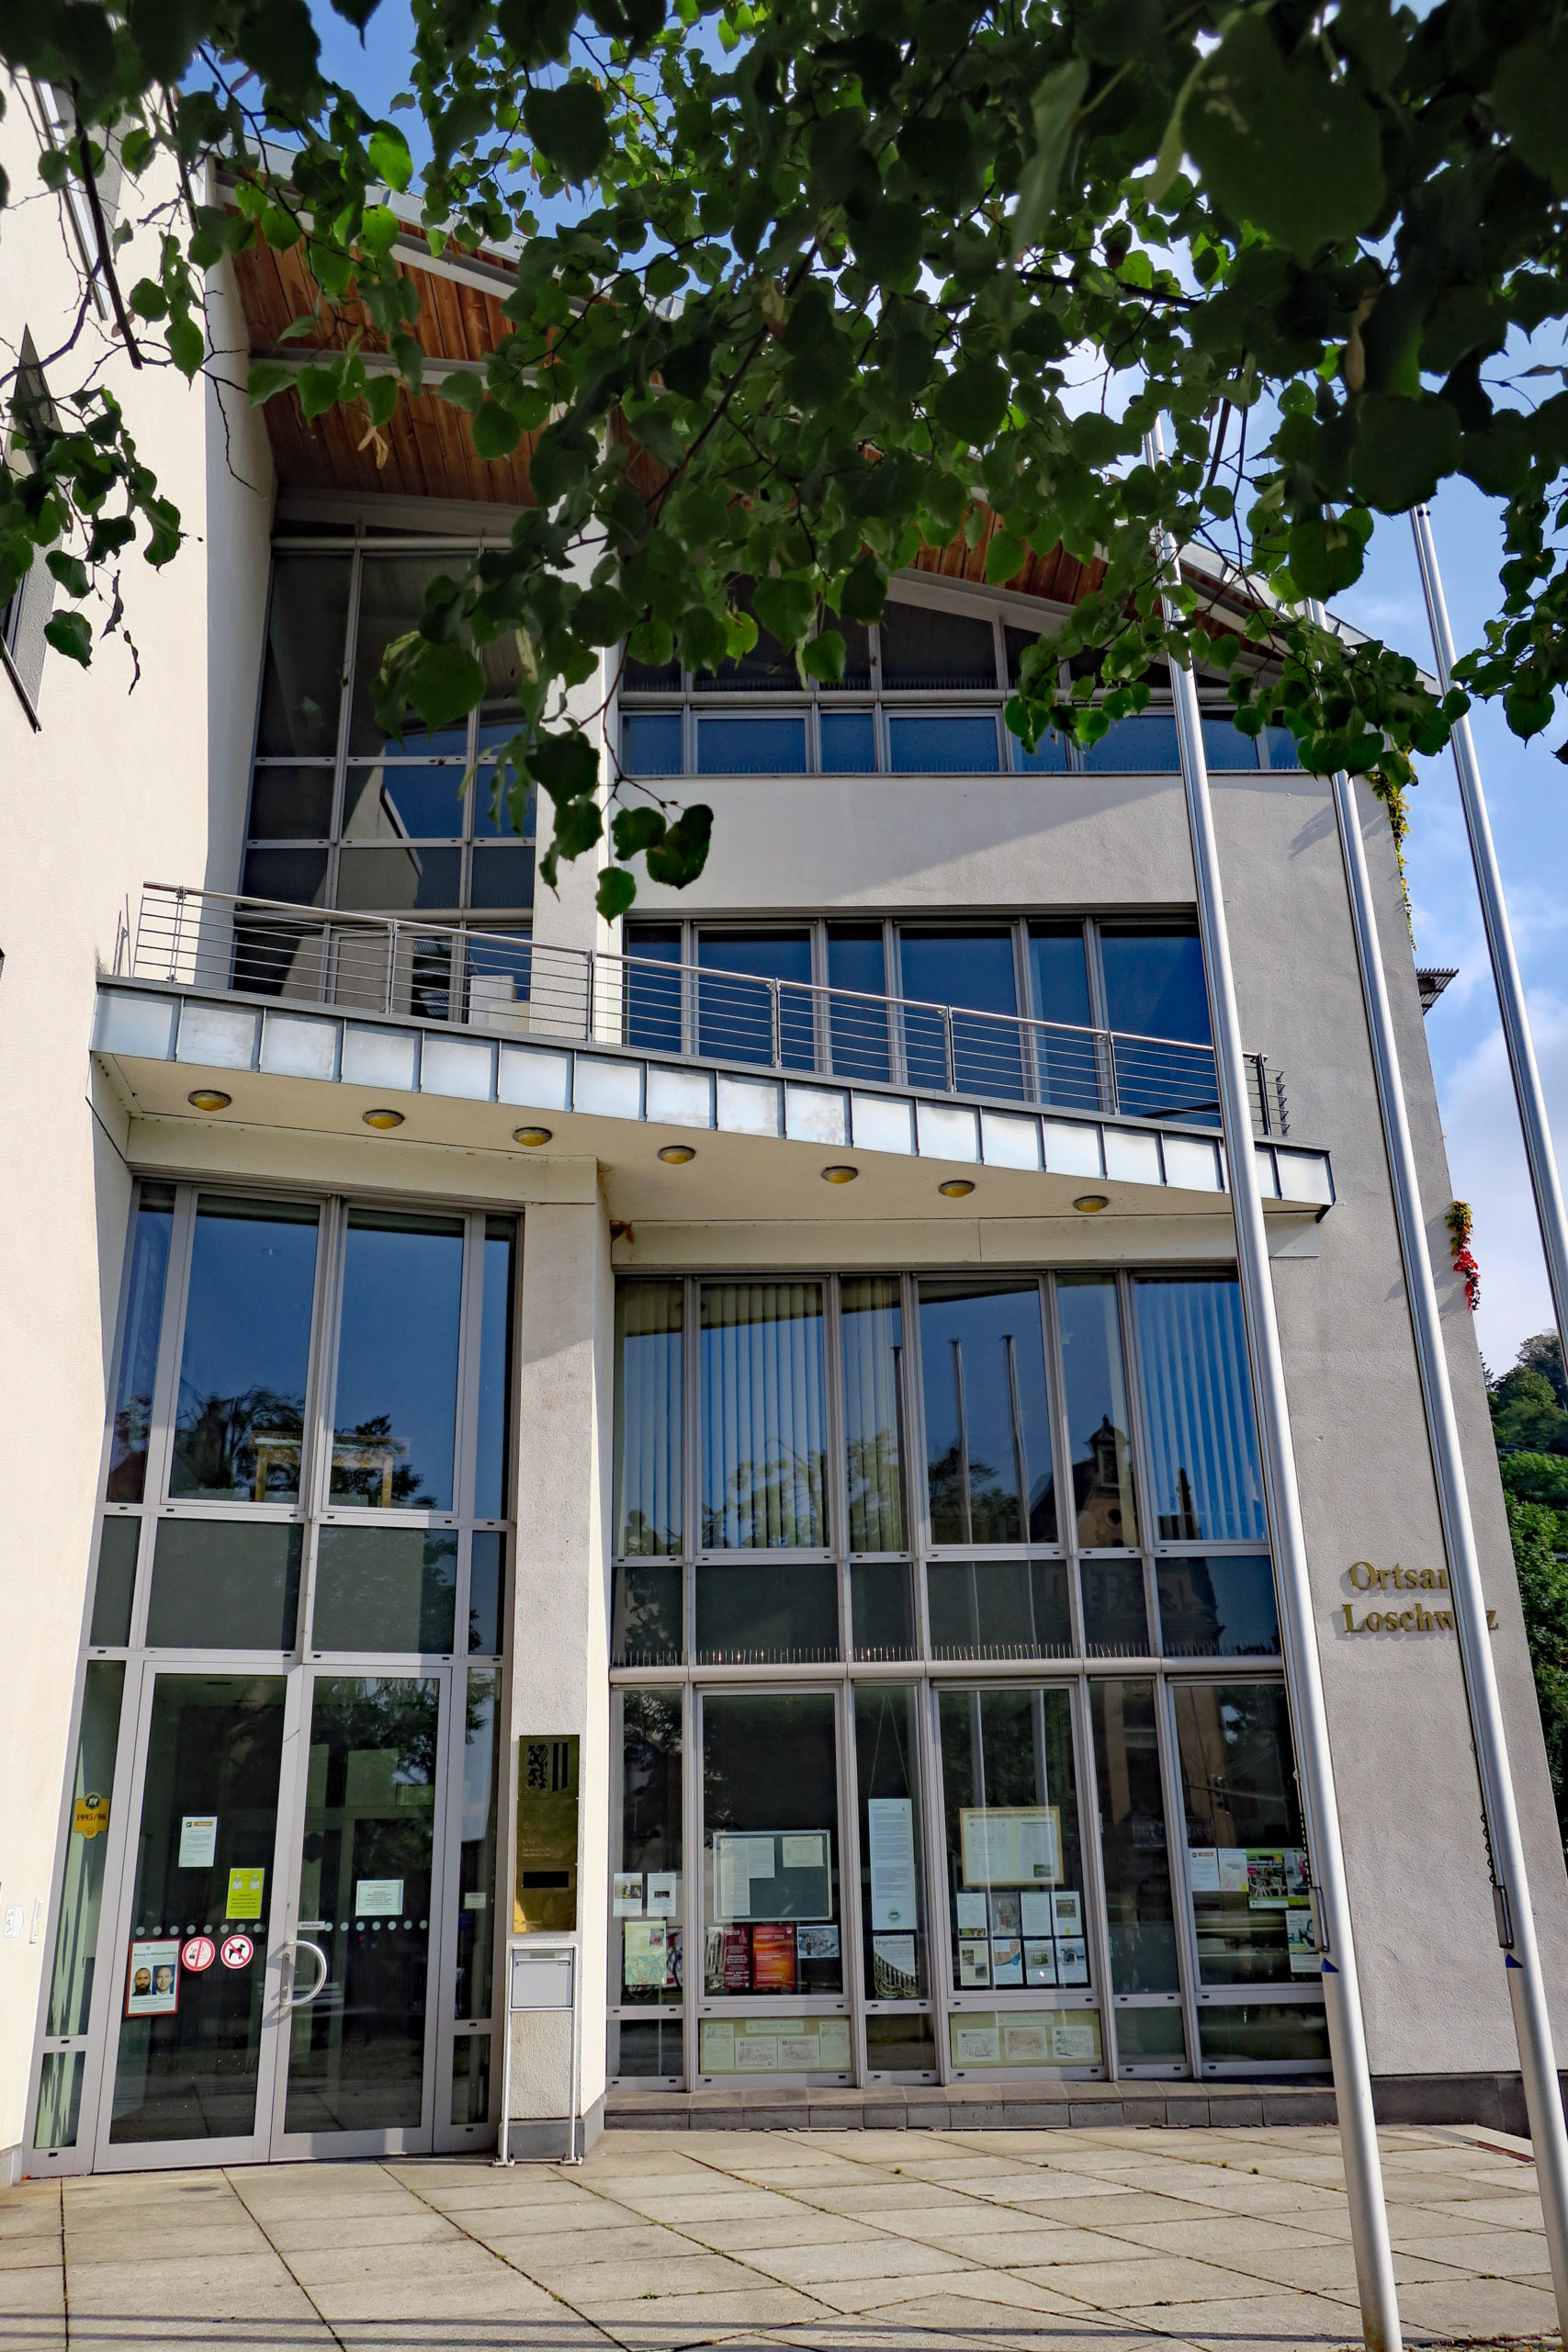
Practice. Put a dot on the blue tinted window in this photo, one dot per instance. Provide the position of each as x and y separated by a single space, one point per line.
385 879
239 1432
752 746
1049 756
397 1375
1066 1066
858 1030
394 804
653 998
1284 751
972 970
502 876
987 1424
491 1469
1142 745
964 744
138 1344
650 742
1218 1607
488 821
736 1009
1224 745
1153 981
849 743
1198 1405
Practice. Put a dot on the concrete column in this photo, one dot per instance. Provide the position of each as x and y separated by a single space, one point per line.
560 1645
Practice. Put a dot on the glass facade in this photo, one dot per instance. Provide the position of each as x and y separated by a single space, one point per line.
924 693
926 1707
289 1754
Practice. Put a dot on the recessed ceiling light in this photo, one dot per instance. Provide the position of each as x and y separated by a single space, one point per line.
1092 1203
383 1120
676 1155
531 1136
958 1188
209 1098
839 1175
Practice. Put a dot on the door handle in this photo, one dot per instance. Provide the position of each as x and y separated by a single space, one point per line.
296 1999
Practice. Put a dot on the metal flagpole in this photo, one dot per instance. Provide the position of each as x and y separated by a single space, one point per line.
1500 943
1515 1922
1303 1672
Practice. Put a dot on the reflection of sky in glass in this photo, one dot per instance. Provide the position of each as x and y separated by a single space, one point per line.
247 1339
984 1371
397 1379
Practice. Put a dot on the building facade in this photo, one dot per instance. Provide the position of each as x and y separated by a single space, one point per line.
721 1447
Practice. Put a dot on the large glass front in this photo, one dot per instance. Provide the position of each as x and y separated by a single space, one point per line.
770 1863
1141 1916
240 1419
90 1802
989 1466
190 2027
1247 1864
1198 1403
132 1418
763 1435
394 1417
648 1891
894 1936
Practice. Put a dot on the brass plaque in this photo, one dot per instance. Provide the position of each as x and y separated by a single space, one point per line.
544 1892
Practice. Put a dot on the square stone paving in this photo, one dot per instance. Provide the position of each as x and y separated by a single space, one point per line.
1205 2240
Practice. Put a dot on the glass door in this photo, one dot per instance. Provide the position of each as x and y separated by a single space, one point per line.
356 1981
191 2054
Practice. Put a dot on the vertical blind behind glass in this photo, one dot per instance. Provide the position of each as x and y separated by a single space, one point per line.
1197 1403
762 1415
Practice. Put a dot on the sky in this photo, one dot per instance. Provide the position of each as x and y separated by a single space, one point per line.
1527 790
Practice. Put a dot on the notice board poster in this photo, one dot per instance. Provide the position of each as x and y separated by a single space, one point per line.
544 1890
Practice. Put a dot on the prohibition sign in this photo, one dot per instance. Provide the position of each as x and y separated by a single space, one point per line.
197 1954
237 1952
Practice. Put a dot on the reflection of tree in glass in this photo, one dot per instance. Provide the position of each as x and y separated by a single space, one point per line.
379 1477
647 1617
243 1445
642 1540
395 1713
993 1511
776 1502
876 1493
128 1459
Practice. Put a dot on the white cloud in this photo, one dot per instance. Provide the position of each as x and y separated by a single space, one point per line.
1486 1160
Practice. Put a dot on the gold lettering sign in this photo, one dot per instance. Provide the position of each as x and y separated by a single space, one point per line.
545 1895
1410 1617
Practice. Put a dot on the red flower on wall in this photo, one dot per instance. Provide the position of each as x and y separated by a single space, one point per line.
1460 1224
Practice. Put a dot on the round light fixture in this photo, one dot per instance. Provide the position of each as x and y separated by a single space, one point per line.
384 1121
532 1138
1092 1202
839 1175
958 1188
676 1155
209 1098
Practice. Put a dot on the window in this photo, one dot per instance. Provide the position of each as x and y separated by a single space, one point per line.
345 815
1104 1013
924 693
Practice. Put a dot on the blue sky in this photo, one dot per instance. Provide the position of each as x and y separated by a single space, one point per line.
1526 787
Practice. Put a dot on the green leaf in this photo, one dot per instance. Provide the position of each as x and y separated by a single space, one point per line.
495 430
652 428
636 829
681 854
972 402
1403 449
864 592
824 657
567 766
616 890
1282 146
381 399
601 615
444 683
378 229
68 634
390 156
579 824
1325 556
463 389
267 376
1005 557
148 300
281 229
69 570
1054 113
568 125
320 389
188 345
1529 98
784 607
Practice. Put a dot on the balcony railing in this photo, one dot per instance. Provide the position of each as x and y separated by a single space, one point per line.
505 983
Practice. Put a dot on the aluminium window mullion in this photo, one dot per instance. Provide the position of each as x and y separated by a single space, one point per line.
1188 1977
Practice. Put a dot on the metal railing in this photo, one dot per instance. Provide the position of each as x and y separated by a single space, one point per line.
506 983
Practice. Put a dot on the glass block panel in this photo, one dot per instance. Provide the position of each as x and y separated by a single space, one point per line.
1223 1607
1263 2032
849 743
737 746
882 1604
988 1472
139 1343
301 682
648 1627
1197 1403
650 742
224 1584
291 804
963 743
649 1417
1115 1611
239 1429
385 1588
114 1590
767 1614
999 1609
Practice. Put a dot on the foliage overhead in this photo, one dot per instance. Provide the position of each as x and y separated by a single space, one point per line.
860 274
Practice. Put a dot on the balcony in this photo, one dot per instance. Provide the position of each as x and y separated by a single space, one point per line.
254 986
